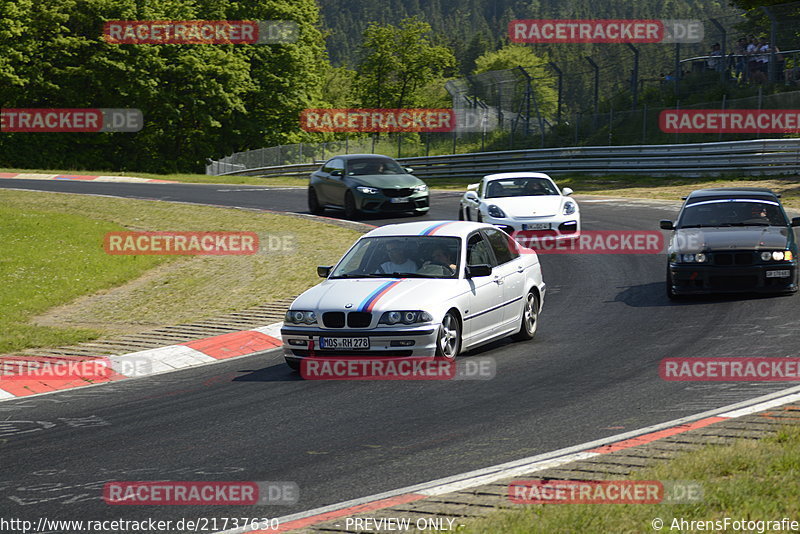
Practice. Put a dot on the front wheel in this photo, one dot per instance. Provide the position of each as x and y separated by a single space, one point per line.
448 341
350 210
530 318
313 202
479 216
461 214
671 295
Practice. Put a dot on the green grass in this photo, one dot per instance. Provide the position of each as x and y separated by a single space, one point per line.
754 480
59 286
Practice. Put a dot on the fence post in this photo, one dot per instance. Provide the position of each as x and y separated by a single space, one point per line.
635 75
560 87
596 88
644 124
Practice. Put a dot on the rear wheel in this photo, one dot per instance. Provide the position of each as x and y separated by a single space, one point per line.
350 210
448 341
530 318
313 203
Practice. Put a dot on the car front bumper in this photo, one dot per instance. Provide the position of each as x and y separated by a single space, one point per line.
560 226
689 279
380 203
417 341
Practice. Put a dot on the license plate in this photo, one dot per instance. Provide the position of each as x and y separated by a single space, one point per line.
344 342
398 200
783 273
536 226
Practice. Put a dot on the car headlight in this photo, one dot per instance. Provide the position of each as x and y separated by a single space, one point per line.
495 212
420 188
300 317
367 190
777 255
569 208
690 258
405 317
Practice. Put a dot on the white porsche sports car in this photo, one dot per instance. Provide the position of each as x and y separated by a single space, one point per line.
418 289
519 201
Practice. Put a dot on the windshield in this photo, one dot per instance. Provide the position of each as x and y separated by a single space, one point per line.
401 257
520 187
365 166
732 212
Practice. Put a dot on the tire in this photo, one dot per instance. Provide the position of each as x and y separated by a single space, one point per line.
671 295
293 364
461 214
350 210
530 318
479 217
448 340
313 203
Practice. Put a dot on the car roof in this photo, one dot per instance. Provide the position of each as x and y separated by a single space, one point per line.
507 175
359 156
758 193
430 228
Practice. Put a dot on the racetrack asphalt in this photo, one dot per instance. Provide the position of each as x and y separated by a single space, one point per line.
591 372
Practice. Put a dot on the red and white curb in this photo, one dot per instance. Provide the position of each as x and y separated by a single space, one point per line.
81 178
527 466
146 362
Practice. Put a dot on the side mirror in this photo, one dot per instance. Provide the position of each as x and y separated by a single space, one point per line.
471 195
336 173
567 191
667 225
323 271
409 170
473 187
473 271
795 221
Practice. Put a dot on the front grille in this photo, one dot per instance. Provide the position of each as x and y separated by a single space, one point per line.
731 258
733 282
398 206
359 319
403 192
333 319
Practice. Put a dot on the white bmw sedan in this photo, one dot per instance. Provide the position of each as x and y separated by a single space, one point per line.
418 289
520 201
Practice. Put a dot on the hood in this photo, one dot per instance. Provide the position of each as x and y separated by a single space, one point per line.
381 294
387 181
539 206
730 238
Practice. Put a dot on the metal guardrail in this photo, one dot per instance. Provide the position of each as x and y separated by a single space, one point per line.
754 157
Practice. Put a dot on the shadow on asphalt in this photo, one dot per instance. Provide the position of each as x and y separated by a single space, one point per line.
275 373
653 295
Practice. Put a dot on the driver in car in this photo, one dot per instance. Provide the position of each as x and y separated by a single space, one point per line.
399 262
440 261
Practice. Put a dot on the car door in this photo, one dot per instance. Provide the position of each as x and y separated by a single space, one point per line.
509 274
486 295
330 186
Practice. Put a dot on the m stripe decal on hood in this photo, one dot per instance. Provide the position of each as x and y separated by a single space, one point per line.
376 295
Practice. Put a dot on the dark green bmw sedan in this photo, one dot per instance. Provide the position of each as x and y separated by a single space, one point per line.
366 183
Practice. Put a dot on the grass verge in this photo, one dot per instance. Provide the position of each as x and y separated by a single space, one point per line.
751 480
60 287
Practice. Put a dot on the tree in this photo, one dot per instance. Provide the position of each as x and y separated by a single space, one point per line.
398 61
